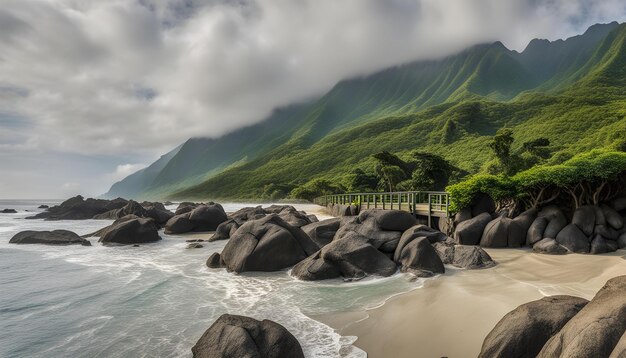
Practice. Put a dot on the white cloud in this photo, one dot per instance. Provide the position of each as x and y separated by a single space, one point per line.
124 170
136 78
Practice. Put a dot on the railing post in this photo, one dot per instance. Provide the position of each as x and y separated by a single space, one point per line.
414 206
429 211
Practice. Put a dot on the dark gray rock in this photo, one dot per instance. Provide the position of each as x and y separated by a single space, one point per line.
620 349
322 232
600 245
469 232
482 203
55 237
295 218
246 214
496 233
606 231
573 239
207 217
471 257
389 220
596 329
133 231
519 227
585 218
315 268
549 246
445 252
77 208
556 220
233 336
420 258
600 219
613 218
267 244
536 230
43 207
524 331
195 245
8 211
621 241
215 261
179 224
225 230
619 203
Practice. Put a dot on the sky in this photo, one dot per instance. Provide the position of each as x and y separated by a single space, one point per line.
93 90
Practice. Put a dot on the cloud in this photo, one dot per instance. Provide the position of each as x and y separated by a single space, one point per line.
124 170
136 78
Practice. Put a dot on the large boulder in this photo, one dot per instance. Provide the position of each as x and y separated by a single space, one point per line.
130 232
179 224
77 208
225 230
267 244
556 220
596 329
619 203
420 258
390 220
613 218
249 213
621 242
471 257
573 239
585 218
549 246
232 336
294 217
606 232
524 331
315 268
496 233
518 228
536 230
600 245
322 232
445 251
469 232
56 237
203 217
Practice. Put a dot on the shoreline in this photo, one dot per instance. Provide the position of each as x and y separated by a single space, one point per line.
451 315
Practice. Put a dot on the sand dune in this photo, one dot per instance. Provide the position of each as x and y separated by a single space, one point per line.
451 315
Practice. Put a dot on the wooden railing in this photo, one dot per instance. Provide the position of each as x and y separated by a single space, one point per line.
419 203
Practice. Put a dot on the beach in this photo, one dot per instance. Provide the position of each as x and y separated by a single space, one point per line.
453 313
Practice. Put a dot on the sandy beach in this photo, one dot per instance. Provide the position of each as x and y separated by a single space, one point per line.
451 315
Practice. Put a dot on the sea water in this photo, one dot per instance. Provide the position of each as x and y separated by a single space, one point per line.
155 300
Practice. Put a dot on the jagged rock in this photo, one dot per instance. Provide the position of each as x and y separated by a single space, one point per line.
471 257
600 245
215 261
469 232
524 331
225 230
133 231
420 258
573 239
518 228
549 246
613 218
496 233
233 336
322 232
55 237
596 329
536 230
585 218
267 244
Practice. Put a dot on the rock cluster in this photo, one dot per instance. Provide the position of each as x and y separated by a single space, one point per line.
196 217
239 336
592 229
564 326
56 237
376 242
79 208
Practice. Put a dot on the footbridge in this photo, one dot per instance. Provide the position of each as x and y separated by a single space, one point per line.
425 204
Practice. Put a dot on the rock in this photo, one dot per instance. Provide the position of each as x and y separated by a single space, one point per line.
215 261
606 231
620 349
573 239
207 217
195 245
518 228
621 241
322 232
596 329
462 215
368 225
619 203
524 331
185 207
585 218
420 258
233 336
8 211
445 252
536 230
415 232
179 224
249 213
134 231
471 257
55 237
315 268
556 220
496 233
549 246
613 218
77 208
267 244
470 232
600 245
600 219
225 230
482 203
43 207
389 220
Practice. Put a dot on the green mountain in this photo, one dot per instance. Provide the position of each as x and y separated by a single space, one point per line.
570 91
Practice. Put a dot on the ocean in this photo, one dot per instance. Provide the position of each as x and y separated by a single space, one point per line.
155 300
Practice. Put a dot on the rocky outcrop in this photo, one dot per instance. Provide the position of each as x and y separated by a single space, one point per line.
322 232
154 211
267 244
232 336
524 331
129 230
77 208
204 217
56 237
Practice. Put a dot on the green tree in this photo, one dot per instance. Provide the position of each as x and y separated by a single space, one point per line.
391 175
431 171
315 188
359 181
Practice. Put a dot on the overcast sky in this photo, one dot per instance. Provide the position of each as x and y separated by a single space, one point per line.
92 90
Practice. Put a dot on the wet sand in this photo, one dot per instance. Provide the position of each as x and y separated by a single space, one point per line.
451 315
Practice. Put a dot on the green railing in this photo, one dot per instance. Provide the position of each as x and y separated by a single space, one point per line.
422 203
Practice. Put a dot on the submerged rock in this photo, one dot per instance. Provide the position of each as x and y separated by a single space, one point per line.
232 336
55 237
